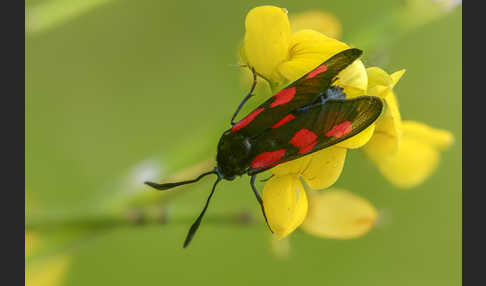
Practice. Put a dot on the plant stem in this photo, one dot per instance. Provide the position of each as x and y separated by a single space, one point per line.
131 217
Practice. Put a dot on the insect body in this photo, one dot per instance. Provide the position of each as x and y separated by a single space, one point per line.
308 115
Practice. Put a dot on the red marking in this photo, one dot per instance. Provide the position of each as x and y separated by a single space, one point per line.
267 159
245 121
340 130
318 70
284 120
283 96
305 140
307 148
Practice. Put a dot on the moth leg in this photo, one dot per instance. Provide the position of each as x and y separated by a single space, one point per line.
264 180
259 199
250 94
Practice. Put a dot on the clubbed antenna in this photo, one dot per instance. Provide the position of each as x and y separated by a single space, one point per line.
167 186
196 224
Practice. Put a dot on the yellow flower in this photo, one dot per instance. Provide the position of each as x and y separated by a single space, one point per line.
417 157
339 214
281 57
407 152
322 22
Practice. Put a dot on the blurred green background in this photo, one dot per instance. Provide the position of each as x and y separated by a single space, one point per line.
127 90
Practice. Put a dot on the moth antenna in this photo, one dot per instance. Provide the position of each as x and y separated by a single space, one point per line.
167 186
195 225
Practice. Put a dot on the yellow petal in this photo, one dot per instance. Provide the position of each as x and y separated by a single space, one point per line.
295 167
350 91
266 40
324 168
308 49
353 79
438 138
358 140
339 214
386 138
414 162
285 204
381 145
325 23
320 169
396 76
377 76
418 156
390 123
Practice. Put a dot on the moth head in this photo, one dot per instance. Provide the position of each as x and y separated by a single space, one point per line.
233 154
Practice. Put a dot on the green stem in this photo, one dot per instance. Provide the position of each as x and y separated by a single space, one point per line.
130 217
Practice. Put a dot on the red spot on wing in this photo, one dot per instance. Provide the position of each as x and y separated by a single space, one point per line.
283 96
284 120
307 148
305 140
245 121
340 130
318 70
267 159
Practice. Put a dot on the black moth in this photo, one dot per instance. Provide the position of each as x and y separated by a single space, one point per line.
308 115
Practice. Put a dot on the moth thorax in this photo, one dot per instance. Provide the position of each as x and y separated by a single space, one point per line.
233 154
335 92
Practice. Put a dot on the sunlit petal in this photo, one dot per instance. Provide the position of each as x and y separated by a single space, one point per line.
358 140
418 155
285 204
266 40
377 76
339 214
438 138
325 167
396 76
353 79
296 166
308 49
387 135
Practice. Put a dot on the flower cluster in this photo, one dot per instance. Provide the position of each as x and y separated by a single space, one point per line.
405 152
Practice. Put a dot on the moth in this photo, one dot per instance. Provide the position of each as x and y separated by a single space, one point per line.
308 115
